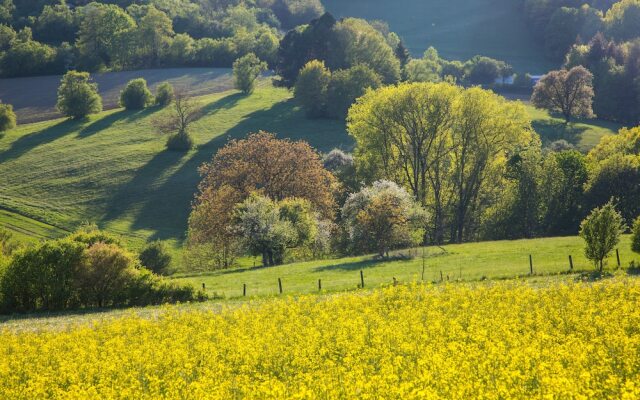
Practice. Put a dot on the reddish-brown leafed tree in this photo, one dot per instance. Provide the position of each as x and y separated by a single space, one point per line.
569 92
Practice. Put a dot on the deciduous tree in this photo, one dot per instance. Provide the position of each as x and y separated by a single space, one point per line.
569 92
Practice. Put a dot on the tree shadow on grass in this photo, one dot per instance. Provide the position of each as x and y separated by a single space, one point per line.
550 131
49 134
122 115
352 266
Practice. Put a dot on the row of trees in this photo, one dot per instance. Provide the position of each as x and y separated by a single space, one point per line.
89 268
98 36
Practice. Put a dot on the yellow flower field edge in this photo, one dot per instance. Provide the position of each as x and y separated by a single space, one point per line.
485 340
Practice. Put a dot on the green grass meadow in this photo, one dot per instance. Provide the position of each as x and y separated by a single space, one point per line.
459 29
459 262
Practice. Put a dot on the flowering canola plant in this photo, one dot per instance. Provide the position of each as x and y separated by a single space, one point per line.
495 341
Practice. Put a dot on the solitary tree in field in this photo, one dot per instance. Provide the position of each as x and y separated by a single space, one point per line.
177 122
601 232
311 88
246 70
77 97
569 92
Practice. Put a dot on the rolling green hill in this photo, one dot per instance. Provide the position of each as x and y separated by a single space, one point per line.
113 169
459 29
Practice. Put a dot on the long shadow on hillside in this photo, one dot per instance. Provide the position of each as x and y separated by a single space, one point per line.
28 142
550 131
123 115
167 209
165 206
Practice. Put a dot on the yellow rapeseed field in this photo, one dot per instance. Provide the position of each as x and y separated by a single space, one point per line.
459 341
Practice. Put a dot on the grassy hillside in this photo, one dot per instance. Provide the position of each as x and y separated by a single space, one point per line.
459 29
113 169
584 134
469 261
34 98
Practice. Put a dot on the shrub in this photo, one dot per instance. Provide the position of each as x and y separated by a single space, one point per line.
7 117
164 94
245 72
42 277
180 141
136 95
77 97
635 236
155 257
311 88
348 85
601 232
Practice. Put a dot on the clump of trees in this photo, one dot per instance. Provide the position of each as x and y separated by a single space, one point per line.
155 256
339 45
136 95
245 72
7 117
289 180
569 92
37 39
87 269
77 96
479 70
325 94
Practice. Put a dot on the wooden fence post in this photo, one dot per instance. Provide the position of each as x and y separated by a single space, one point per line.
441 277
395 281
320 284
618 257
361 279
244 289
570 263
530 264
280 285
204 287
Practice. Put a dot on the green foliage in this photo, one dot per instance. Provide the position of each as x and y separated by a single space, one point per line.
42 277
181 141
79 271
311 88
635 236
601 232
7 117
245 72
485 70
348 85
27 57
622 21
155 256
77 97
136 95
164 94
7 243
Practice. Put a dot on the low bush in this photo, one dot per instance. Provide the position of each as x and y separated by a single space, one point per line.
136 95
155 257
181 141
7 117
164 94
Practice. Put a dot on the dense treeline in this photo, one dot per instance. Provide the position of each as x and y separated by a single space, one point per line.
48 37
604 37
433 163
